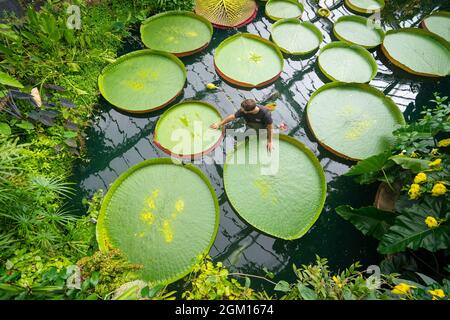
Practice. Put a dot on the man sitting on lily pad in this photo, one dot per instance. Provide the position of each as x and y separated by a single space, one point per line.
256 118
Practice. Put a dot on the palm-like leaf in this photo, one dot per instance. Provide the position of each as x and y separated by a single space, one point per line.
227 13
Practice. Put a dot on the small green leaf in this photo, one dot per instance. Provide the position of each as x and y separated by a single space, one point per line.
144 292
306 293
70 134
426 279
7 80
5 129
415 165
282 286
26 125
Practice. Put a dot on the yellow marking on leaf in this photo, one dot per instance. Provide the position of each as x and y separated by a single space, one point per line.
263 187
254 57
191 34
148 217
167 231
179 205
357 129
155 193
151 203
135 85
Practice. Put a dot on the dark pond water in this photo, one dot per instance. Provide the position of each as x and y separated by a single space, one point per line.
117 141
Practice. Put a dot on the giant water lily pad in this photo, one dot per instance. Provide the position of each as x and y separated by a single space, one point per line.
248 60
340 61
179 32
227 13
184 129
358 30
157 223
438 23
296 37
283 9
418 51
354 121
143 80
282 194
365 6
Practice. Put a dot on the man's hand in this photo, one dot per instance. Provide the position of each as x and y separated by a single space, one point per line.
215 125
269 146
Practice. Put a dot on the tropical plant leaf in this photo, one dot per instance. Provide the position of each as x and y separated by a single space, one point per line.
369 220
282 286
372 164
7 80
413 164
306 293
276 183
410 231
359 122
227 13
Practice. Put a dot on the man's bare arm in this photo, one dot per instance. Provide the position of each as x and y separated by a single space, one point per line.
269 137
226 120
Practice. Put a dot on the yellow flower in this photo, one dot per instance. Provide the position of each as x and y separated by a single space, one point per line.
337 281
435 163
420 178
414 191
437 293
414 155
438 190
444 143
211 86
402 288
431 222
434 151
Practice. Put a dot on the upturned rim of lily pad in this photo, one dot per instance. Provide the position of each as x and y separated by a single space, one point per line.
421 32
131 55
295 2
180 13
101 233
246 84
355 8
194 155
362 20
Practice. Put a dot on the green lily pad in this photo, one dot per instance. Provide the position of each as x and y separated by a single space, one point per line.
365 6
354 121
248 60
438 23
184 129
179 32
418 51
296 37
283 9
157 223
282 194
143 80
358 30
340 61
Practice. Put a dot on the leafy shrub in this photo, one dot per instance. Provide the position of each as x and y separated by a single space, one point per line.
112 268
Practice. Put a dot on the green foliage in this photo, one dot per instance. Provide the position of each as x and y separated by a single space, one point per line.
420 163
317 282
111 268
427 289
368 220
212 281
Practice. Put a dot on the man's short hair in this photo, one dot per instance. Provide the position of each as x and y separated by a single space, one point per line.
248 105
